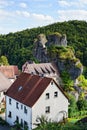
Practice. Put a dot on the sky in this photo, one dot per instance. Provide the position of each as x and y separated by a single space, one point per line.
18 15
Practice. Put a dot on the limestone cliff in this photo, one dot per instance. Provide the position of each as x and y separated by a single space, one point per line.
57 39
54 48
40 49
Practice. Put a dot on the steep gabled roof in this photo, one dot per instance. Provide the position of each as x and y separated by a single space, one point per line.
4 83
28 88
9 71
41 68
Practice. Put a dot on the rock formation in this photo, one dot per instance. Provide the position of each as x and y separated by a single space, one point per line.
40 50
74 69
57 39
62 55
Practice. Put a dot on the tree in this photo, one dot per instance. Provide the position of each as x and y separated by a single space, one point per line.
82 82
82 104
72 106
67 82
3 60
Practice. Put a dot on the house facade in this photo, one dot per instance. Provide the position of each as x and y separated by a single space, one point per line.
32 96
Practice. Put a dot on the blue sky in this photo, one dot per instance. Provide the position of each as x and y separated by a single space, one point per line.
17 15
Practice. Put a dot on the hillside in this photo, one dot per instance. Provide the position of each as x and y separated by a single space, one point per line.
18 46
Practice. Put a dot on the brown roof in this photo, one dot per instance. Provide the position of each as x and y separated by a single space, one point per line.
9 71
41 68
4 83
28 88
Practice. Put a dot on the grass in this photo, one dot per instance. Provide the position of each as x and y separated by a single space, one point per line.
73 120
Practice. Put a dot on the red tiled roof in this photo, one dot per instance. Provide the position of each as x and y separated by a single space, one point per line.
28 88
9 71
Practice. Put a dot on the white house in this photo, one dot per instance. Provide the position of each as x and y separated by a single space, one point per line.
32 96
4 85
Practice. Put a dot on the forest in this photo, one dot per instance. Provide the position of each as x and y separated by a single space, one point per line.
18 47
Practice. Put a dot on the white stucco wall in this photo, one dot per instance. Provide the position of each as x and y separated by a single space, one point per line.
17 112
57 104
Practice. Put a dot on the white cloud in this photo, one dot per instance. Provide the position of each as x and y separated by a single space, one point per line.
42 17
4 14
74 4
4 3
23 5
39 0
72 15
63 3
23 13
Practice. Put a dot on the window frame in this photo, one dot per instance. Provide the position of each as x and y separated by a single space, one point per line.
17 105
47 109
55 94
47 95
10 114
10 101
25 110
17 119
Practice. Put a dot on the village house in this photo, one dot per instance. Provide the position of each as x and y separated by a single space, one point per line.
11 72
42 69
32 96
4 85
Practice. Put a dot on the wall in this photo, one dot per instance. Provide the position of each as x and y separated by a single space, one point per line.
17 112
57 104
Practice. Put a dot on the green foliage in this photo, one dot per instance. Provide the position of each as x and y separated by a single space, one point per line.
67 126
3 60
72 106
76 32
82 104
67 82
82 82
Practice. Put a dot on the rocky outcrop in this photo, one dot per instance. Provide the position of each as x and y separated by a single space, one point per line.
40 50
62 55
73 69
41 44
57 39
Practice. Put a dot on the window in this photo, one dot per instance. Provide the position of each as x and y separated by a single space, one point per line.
22 122
17 105
47 95
55 94
25 110
25 125
21 106
51 83
9 100
17 119
9 115
47 109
